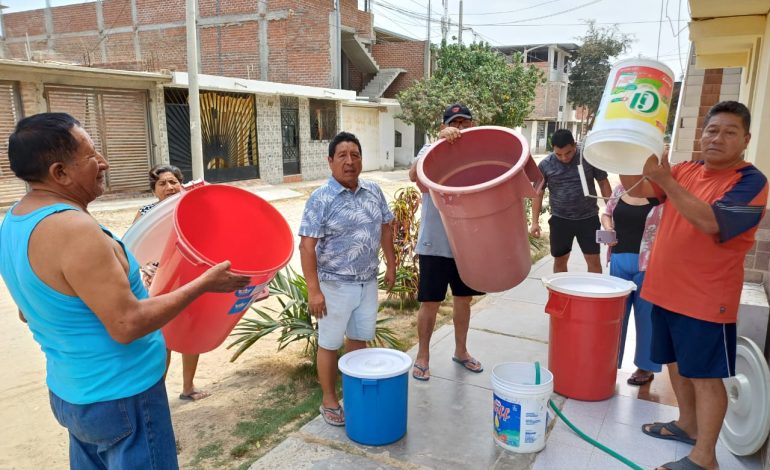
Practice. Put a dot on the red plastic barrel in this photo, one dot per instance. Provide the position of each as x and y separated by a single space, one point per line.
478 184
586 313
214 223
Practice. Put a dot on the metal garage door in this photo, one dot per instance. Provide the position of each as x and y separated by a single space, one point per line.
11 188
117 122
365 124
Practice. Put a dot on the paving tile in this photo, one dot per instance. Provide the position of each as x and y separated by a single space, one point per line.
490 349
630 442
590 409
558 456
632 411
602 460
530 290
728 461
562 435
312 455
521 319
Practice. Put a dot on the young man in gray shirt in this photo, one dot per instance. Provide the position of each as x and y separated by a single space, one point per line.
573 215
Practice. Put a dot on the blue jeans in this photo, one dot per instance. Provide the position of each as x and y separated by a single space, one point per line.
127 433
626 266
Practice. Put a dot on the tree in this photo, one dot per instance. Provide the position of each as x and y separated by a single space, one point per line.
591 66
498 93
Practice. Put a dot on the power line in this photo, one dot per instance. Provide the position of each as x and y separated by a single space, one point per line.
512 11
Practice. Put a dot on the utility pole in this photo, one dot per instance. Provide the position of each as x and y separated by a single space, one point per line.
426 56
196 142
338 72
2 32
445 20
460 27
660 28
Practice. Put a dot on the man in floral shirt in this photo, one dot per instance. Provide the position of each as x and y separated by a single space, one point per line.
344 223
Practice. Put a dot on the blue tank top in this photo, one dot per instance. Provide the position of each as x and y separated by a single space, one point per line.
83 363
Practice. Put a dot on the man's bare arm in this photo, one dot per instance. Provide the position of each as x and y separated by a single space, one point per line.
93 271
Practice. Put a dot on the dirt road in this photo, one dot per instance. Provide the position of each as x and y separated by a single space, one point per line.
30 437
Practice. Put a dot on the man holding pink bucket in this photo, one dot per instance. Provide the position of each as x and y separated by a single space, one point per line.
81 293
712 209
438 269
343 226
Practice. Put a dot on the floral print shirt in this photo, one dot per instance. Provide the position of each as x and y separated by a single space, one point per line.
348 226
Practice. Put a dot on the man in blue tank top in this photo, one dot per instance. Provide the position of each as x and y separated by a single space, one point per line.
81 293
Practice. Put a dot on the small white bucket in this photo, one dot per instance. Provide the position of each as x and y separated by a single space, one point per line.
632 116
520 406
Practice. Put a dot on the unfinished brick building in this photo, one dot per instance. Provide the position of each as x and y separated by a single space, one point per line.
281 41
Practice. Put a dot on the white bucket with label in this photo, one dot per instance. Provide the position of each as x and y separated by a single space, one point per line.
632 117
520 406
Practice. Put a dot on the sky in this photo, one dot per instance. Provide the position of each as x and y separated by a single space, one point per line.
506 22
514 22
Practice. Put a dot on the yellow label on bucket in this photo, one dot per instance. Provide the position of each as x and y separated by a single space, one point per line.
640 93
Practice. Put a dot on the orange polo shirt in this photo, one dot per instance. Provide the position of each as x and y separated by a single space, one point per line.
700 275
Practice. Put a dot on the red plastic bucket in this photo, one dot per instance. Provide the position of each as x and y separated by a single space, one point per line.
214 223
586 316
478 184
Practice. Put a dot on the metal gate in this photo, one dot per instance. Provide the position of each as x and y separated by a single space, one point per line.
229 134
117 122
290 135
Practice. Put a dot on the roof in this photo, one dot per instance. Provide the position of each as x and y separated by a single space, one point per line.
229 84
11 65
390 36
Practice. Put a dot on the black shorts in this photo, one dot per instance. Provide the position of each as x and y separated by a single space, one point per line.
563 231
436 273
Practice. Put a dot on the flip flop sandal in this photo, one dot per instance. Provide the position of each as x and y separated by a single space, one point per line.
425 373
640 380
656 430
471 364
333 416
683 464
194 396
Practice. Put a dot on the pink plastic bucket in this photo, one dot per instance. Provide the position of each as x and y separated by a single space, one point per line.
478 184
214 223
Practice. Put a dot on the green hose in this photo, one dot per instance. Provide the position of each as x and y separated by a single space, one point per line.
580 433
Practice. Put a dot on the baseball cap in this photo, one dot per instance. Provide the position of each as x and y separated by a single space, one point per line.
456 111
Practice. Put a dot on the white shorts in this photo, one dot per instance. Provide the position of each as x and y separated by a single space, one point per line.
351 310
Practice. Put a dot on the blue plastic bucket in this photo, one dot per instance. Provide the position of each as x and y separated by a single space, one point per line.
375 388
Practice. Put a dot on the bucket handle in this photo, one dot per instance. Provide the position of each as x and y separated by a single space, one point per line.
557 305
534 176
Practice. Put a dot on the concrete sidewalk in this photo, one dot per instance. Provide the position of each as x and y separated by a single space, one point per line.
450 416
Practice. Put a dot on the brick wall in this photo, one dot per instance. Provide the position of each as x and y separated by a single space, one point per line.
757 263
353 17
701 89
74 18
539 104
298 35
117 13
26 22
357 80
405 55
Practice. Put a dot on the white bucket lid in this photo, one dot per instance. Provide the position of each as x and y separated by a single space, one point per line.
374 363
747 422
589 285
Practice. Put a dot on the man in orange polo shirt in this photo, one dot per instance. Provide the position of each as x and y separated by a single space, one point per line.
695 276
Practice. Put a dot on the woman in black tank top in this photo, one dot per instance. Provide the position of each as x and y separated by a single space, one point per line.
627 216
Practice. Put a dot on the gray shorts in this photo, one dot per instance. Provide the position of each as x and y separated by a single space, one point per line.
351 311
